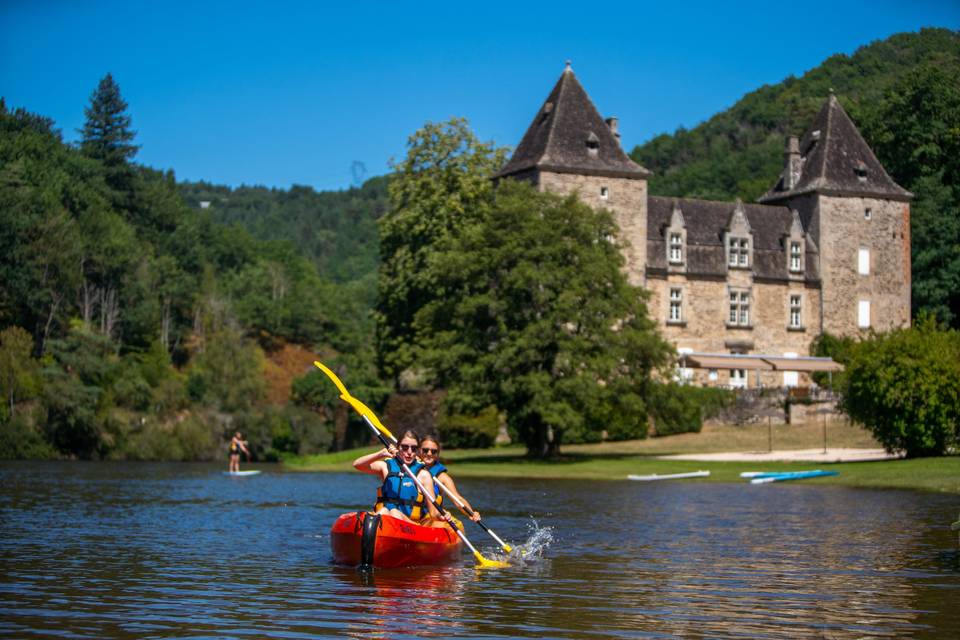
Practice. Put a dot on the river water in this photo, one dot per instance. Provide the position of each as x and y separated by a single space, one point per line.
102 550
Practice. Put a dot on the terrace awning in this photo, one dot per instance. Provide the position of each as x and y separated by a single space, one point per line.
720 361
757 361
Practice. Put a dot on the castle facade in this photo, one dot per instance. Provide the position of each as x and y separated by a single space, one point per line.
826 249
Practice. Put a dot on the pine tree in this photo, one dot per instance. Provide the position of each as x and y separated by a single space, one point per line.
106 134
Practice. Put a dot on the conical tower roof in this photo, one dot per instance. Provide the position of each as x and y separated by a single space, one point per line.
568 135
835 160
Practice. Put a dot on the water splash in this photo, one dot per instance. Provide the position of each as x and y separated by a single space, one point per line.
533 548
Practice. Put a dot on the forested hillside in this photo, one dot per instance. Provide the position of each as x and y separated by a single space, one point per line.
904 95
133 326
337 230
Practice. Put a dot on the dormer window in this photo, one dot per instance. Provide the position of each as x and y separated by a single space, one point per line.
738 238
593 144
861 171
796 256
676 248
738 252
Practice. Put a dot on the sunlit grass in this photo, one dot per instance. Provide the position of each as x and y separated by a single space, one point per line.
615 460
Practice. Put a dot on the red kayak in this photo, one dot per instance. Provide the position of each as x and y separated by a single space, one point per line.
365 539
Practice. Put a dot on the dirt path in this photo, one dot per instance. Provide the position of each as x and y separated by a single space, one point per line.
802 455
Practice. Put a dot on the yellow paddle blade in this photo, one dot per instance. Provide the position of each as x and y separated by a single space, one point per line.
491 564
364 410
507 548
360 408
332 376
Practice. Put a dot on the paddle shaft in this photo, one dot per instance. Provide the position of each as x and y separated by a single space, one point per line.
413 476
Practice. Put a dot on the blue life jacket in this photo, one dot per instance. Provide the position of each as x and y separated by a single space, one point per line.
399 491
435 471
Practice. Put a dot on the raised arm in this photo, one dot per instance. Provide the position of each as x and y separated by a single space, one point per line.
373 463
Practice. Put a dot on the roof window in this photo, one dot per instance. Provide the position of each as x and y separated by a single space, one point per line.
861 171
593 144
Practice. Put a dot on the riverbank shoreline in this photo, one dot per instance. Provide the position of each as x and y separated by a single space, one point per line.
924 474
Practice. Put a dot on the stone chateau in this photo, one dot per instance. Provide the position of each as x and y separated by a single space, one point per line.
739 288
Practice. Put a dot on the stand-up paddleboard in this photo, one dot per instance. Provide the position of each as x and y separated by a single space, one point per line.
791 475
669 476
252 472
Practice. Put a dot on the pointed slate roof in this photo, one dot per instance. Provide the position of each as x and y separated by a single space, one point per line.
568 135
835 160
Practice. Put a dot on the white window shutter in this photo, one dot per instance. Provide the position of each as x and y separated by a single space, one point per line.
863 314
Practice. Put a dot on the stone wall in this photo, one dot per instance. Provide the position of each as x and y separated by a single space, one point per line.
844 230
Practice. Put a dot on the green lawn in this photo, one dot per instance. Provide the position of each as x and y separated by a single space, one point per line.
931 474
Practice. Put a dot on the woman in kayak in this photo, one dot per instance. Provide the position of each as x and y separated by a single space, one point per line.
237 444
430 454
399 496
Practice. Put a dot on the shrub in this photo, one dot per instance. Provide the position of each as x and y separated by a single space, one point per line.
20 440
683 408
904 386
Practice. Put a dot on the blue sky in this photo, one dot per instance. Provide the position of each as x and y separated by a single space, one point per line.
281 93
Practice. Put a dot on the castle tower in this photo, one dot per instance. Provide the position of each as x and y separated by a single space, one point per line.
857 216
570 148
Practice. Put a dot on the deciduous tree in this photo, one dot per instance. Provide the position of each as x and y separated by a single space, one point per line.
904 386
531 312
442 184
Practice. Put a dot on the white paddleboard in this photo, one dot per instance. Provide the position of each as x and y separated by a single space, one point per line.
669 476
242 473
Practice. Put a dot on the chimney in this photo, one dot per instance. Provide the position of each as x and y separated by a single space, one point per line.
791 163
612 122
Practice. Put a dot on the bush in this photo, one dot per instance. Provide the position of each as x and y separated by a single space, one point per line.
469 432
683 408
153 442
19 440
904 386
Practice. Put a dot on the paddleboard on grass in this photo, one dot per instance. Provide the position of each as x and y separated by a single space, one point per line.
669 476
771 474
242 473
792 475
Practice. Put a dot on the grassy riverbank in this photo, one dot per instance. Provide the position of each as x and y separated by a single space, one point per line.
615 460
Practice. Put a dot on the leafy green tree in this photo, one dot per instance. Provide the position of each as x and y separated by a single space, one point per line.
904 386
442 184
43 183
532 313
82 368
106 134
19 372
228 373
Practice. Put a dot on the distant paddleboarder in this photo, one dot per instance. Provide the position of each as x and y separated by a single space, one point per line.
237 445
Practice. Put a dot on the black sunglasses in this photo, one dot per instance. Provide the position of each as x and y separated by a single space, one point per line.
429 450
408 447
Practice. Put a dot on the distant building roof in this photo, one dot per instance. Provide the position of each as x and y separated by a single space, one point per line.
835 160
706 222
568 135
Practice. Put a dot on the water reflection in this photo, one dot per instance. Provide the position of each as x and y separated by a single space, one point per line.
153 550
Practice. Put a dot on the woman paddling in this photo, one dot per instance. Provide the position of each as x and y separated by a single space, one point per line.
430 454
399 496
